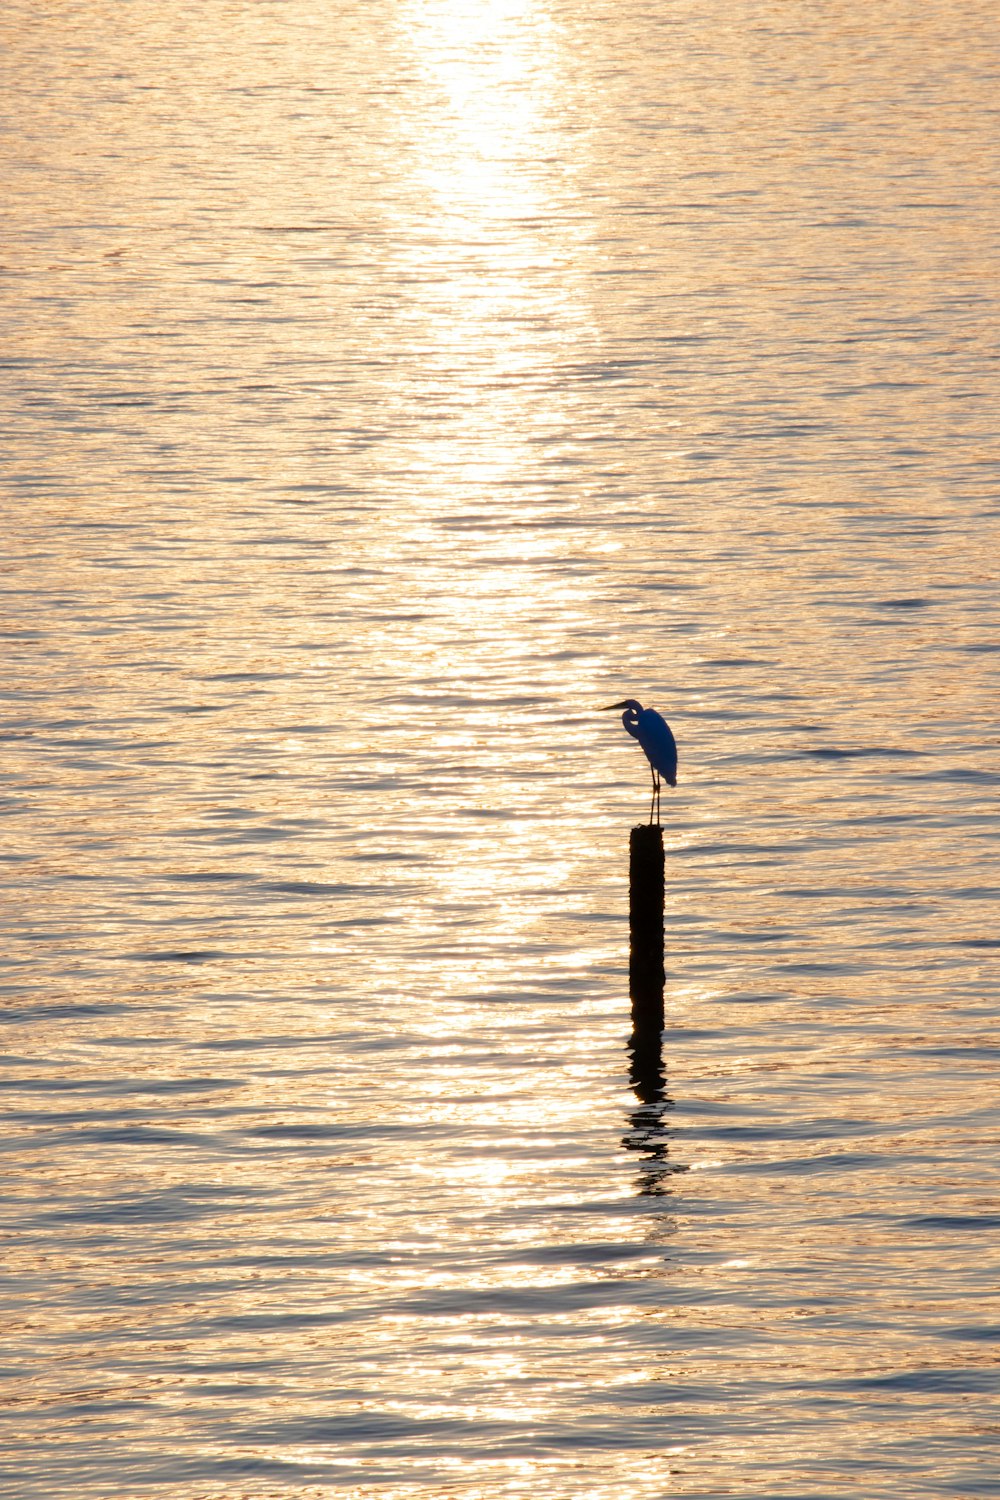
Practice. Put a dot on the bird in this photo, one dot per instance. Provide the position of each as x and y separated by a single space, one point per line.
656 738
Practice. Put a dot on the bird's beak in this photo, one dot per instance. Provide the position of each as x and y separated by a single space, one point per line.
611 705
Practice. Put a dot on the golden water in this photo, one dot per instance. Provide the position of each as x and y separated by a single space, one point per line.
388 388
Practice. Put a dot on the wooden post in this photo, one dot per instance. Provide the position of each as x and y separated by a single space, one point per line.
645 967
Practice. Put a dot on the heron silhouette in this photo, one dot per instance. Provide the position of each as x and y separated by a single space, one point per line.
657 741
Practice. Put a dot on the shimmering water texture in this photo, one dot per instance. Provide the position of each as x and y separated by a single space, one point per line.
389 387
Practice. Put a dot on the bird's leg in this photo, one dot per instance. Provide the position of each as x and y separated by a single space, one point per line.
652 802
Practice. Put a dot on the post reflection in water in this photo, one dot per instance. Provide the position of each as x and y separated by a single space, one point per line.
646 1065
648 1135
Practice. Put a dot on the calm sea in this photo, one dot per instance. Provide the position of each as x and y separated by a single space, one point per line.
387 387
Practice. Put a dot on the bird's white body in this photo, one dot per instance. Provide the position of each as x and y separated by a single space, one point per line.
656 738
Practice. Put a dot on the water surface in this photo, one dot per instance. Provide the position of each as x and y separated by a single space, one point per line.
387 389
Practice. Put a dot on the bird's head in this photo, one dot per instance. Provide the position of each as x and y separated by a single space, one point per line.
632 703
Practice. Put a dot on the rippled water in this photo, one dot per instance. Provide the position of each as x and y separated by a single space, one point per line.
388 388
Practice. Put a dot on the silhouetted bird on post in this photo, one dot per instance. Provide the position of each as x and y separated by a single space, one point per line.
657 741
